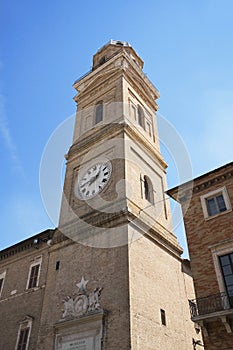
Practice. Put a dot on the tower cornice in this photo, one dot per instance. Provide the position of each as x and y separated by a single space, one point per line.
124 66
102 133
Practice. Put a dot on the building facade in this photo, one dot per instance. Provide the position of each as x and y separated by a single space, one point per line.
113 273
209 229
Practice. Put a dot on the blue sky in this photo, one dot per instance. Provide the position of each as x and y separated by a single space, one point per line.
187 47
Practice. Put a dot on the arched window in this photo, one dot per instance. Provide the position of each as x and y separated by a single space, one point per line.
141 117
99 112
148 189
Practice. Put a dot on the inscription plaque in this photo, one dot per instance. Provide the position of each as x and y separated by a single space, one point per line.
78 344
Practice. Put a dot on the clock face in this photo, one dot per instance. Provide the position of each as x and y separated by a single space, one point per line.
93 180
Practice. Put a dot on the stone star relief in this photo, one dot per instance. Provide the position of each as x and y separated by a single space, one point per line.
82 284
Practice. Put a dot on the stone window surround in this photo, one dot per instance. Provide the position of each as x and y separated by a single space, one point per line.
148 190
36 261
26 323
221 190
2 276
99 112
219 249
147 125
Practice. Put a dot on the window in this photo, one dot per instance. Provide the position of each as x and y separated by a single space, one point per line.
23 339
149 128
215 202
2 279
226 262
57 265
34 272
222 253
163 317
24 334
141 117
133 111
99 112
148 189
215 205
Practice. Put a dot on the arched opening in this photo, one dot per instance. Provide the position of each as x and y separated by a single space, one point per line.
148 190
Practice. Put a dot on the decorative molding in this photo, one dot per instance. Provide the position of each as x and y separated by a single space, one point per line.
113 130
202 186
27 244
83 303
201 182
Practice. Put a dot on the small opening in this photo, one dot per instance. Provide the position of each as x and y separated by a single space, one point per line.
163 317
141 117
99 112
148 189
57 265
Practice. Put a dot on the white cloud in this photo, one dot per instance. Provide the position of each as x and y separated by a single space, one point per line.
6 135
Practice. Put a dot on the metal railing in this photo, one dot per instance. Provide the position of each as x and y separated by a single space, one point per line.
210 304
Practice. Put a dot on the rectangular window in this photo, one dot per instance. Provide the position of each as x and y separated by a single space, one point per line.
34 274
216 205
148 128
132 110
57 265
2 279
99 112
215 202
163 317
1 283
24 334
226 262
23 339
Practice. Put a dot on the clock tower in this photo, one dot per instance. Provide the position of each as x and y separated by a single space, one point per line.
115 220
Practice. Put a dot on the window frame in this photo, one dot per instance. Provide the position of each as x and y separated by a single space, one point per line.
214 194
148 189
2 277
141 116
36 262
217 250
26 324
224 275
98 105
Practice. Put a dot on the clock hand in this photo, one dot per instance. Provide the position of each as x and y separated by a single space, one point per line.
83 184
94 178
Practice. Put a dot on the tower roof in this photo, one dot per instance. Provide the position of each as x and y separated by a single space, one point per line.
112 48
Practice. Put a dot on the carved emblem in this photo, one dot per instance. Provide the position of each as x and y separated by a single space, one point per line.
83 302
